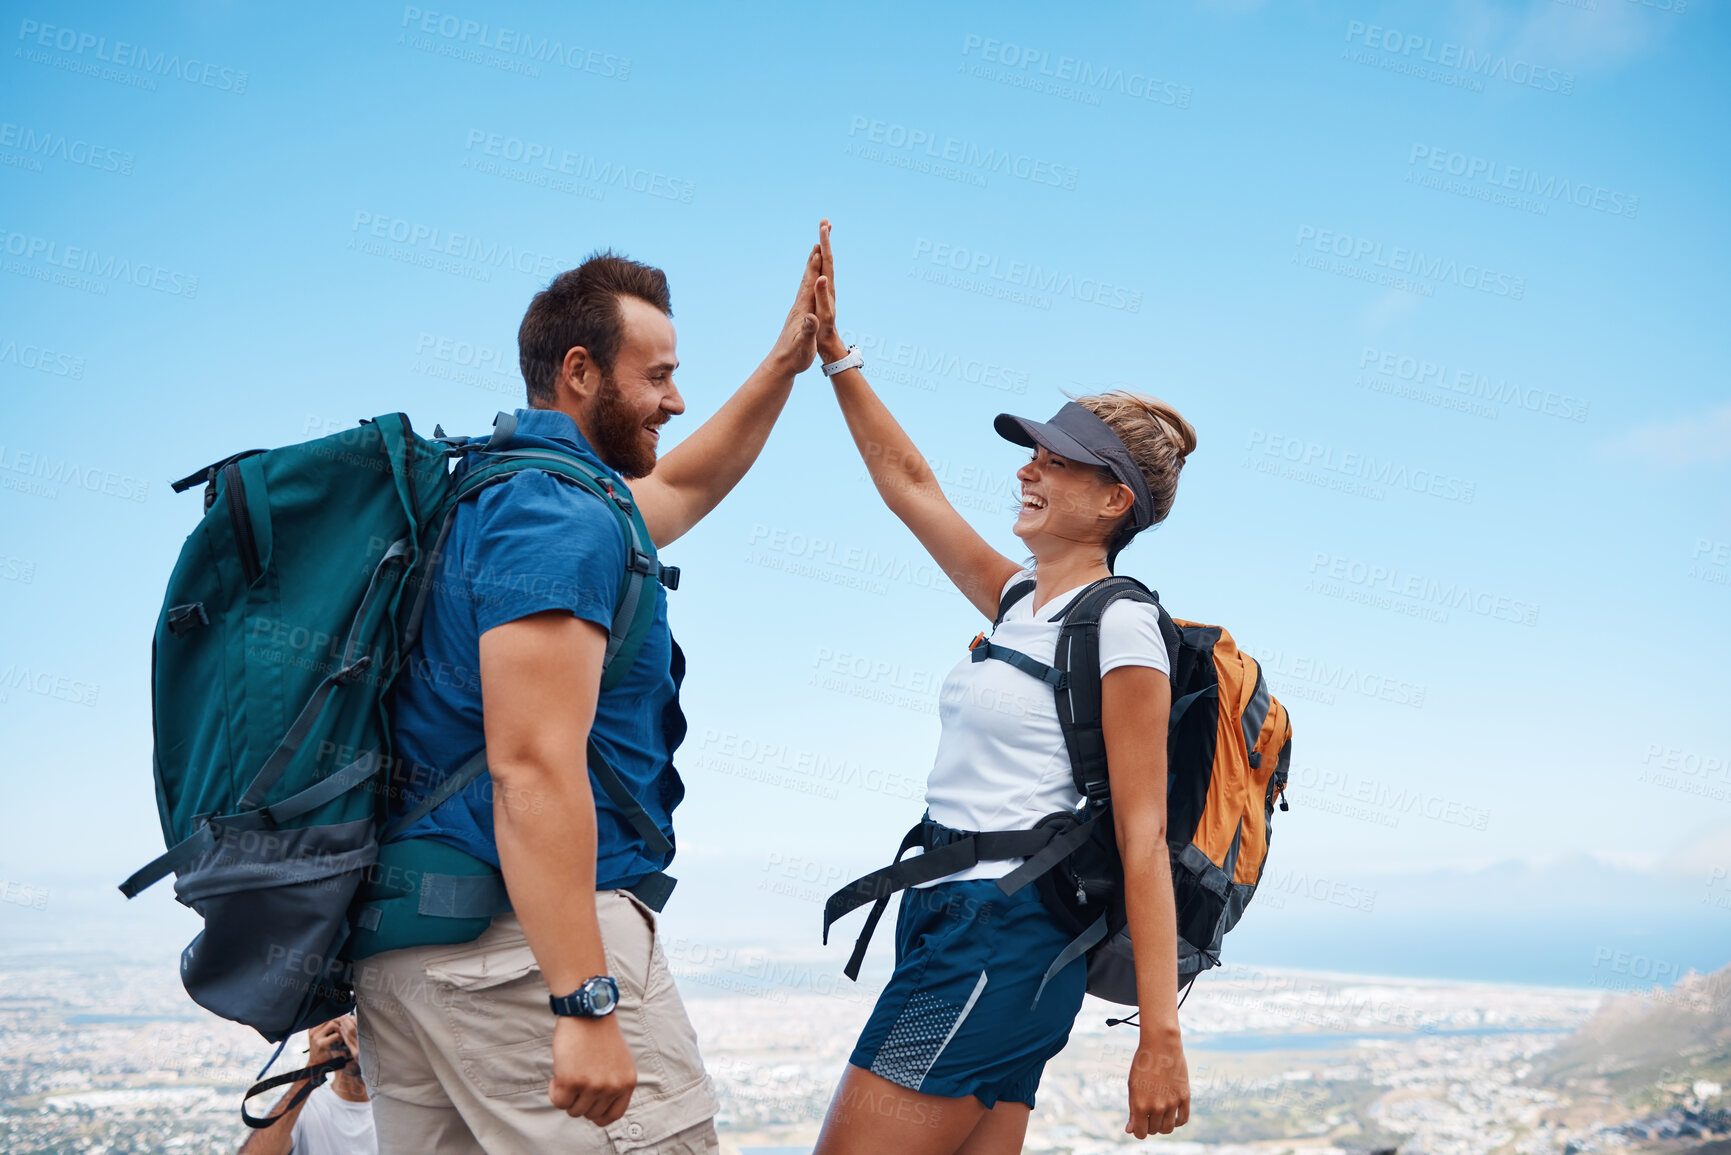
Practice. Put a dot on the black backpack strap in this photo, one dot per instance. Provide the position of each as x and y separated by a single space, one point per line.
315 1076
1078 946
1011 596
946 851
1078 656
607 777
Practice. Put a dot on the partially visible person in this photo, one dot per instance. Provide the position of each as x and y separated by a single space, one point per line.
337 1118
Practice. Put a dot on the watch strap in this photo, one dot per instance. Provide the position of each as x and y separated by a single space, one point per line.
853 360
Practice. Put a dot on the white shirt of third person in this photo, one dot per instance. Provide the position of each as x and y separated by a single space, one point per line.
332 1125
1001 762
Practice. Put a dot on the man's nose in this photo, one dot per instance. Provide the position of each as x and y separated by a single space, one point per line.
673 404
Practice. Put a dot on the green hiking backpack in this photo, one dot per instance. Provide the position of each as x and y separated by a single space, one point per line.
293 606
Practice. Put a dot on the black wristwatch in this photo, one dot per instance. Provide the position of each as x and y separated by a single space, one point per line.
593 999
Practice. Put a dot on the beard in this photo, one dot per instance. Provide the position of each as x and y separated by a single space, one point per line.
619 439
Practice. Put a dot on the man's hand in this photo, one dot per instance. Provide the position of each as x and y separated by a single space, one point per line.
324 1040
797 344
693 476
1159 1084
593 1074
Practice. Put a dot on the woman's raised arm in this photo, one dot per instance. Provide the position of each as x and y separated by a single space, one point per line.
903 479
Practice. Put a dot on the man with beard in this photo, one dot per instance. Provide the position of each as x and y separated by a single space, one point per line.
459 1045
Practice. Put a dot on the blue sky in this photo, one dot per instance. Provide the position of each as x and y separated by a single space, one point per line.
1441 288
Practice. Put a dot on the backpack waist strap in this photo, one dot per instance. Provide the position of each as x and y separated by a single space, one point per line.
946 850
424 893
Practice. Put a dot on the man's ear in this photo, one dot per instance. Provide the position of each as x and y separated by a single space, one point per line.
580 374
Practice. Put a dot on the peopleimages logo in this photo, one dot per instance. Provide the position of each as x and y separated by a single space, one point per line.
46 144
1416 594
41 359
1486 179
1365 468
510 42
44 470
966 153
437 242
81 262
133 56
1411 262
1424 373
558 161
925 363
1415 49
1023 275
1086 77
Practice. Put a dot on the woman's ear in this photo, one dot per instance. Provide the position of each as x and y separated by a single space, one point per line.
1119 501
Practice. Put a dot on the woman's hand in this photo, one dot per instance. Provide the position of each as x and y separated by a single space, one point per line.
1159 1083
830 346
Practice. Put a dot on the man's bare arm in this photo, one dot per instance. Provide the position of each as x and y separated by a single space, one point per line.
540 676
693 476
278 1138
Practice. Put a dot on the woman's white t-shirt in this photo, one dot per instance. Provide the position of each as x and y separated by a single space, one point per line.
1001 761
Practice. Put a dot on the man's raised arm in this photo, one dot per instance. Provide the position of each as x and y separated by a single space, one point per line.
693 477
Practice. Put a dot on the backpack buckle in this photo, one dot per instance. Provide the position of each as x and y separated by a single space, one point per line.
623 501
186 617
349 673
669 576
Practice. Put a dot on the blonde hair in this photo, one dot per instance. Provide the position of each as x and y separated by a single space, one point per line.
1157 437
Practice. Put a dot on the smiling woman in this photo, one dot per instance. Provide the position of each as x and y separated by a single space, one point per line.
990 968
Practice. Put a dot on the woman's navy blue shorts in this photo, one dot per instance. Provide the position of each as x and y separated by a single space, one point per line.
957 1017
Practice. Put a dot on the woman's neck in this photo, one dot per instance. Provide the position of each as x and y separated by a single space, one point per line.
1066 568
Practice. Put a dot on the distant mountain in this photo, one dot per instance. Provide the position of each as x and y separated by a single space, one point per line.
1649 1049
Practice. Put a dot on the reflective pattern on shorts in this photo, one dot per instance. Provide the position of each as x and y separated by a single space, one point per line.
956 1018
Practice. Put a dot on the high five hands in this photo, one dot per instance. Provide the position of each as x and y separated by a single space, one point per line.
810 325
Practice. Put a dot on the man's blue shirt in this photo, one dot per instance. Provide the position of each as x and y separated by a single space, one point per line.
522 546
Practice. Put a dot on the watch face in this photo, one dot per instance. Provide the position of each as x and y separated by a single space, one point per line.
601 996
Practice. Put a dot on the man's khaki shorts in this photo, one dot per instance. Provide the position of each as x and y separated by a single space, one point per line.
457 1047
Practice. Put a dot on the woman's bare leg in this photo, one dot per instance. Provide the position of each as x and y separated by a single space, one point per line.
1000 1131
871 1115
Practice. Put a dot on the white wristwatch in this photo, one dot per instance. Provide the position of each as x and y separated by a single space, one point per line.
854 360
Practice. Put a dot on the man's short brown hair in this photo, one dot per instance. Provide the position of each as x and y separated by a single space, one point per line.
581 307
